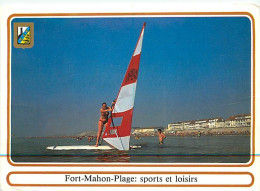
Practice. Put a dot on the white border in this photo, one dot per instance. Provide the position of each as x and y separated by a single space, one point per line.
8 7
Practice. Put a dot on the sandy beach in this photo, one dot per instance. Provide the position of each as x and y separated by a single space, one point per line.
217 131
213 131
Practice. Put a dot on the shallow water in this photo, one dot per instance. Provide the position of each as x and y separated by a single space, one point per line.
204 149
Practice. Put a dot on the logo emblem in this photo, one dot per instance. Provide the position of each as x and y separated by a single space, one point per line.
131 75
23 35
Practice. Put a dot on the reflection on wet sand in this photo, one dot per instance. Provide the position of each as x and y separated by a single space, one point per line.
115 156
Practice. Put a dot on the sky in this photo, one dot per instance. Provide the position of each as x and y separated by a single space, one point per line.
191 68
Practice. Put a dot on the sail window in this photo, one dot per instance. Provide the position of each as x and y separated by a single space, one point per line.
117 121
112 131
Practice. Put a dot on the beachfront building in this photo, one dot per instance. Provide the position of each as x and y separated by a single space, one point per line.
201 124
175 126
189 125
184 125
242 120
216 123
197 124
181 125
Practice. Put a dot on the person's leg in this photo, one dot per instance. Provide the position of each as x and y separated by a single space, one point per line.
100 127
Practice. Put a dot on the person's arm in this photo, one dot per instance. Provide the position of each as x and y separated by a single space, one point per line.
106 110
164 136
113 105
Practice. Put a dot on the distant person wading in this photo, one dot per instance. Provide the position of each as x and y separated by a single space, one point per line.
161 136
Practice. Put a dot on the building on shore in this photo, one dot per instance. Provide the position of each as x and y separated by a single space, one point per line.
175 126
242 120
188 124
181 125
197 124
217 122
201 124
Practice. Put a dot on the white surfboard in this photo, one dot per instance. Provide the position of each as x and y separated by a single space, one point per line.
135 147
87 147
80 147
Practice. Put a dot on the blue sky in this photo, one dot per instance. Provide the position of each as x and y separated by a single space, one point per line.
191 68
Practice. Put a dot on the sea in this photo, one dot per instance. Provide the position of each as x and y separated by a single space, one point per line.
203 149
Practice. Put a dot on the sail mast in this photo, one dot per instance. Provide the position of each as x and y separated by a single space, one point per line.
118 133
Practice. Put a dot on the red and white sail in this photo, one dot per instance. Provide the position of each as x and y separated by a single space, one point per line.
118 127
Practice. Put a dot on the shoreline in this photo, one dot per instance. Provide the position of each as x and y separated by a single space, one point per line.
204 132
187 132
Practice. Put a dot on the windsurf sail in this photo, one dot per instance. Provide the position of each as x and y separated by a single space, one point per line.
118 127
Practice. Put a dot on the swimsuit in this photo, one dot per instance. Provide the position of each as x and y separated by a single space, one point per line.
104 122
102 119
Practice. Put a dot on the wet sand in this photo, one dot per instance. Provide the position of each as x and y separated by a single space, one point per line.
233 130
214 131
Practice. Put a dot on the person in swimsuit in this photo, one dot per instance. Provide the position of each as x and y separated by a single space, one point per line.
161 136
104 112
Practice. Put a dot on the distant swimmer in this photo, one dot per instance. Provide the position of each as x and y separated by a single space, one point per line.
161 136
104 112
90 138
137 137
79 138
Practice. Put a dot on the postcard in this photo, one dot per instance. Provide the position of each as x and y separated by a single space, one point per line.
101 97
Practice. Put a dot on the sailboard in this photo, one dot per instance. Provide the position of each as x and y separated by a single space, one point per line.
118 134
87 147
80 147
118 128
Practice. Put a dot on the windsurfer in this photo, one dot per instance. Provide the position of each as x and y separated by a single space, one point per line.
104 111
